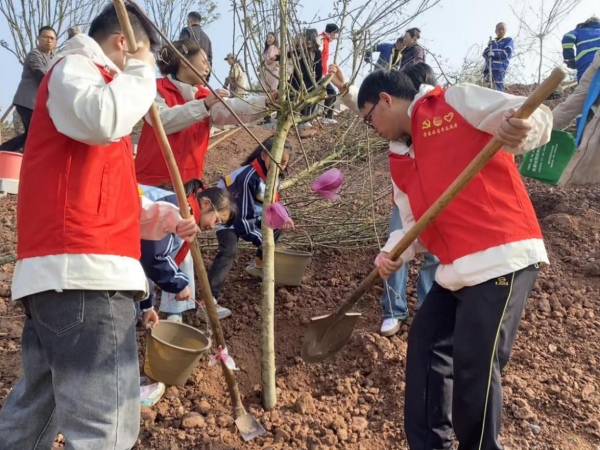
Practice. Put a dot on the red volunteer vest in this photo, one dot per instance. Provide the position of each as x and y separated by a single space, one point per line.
494 209
325 53
196 210
75 198
189 145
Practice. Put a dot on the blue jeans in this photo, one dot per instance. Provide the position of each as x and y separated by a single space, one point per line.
80 374
393 301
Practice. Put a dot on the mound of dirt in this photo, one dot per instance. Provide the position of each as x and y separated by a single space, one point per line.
355 401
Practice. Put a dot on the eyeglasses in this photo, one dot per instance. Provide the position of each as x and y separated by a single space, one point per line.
367 119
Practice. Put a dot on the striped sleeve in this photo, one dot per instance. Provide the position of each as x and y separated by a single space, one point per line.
247 226
568 45
160 267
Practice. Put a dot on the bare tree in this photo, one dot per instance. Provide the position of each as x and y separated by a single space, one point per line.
297 93
170 15
548 15
24 18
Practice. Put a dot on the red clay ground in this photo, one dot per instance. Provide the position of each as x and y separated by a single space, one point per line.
551 385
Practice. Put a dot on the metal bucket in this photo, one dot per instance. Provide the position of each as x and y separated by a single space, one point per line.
290 266
172 352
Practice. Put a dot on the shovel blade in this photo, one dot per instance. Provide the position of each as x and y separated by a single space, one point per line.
326 336
248 427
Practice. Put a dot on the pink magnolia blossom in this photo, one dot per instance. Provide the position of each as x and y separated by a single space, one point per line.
329 184
276 216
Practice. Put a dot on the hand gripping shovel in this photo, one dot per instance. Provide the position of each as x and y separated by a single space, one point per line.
247 425
326 335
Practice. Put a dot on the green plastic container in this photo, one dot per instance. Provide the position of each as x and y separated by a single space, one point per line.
547 163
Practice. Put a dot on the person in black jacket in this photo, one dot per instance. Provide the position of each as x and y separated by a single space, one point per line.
194 32
308 59
412 53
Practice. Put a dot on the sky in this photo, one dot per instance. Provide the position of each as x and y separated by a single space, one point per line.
450 30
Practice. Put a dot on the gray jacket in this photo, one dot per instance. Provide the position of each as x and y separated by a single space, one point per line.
35 67
584 169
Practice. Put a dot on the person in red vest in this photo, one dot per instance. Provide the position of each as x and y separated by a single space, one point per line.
78 271
330 34
187 111
488 241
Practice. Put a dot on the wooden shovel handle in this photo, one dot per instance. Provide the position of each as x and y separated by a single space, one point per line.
531 104
165 147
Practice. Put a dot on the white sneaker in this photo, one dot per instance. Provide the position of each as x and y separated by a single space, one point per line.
390 327
151 394
326 121
304 126
254 270
175 318
222 312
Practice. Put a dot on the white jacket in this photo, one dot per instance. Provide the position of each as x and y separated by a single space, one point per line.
83 107
179 117
484 109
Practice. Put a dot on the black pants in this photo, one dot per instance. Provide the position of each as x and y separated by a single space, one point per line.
458 344
308 111
18 142
222 263
329 101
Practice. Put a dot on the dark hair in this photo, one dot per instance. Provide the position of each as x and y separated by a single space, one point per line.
268 144
414 32
400 39
420 73
221 199
195 16
168 61
331 28
591 21
393 82
46 28
310 38
107 23
267 45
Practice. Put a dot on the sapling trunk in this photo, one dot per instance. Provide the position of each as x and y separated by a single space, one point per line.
267 318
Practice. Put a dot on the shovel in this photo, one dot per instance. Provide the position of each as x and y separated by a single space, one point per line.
247 425
326 335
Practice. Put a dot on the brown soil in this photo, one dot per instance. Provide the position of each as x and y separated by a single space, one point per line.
355 401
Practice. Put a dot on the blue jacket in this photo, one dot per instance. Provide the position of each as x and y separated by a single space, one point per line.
248 190
499 52
158 256
389 56
580 47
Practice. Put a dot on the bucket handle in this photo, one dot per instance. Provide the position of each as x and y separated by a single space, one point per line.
312 244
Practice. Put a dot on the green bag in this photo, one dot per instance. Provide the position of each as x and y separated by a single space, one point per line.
548 162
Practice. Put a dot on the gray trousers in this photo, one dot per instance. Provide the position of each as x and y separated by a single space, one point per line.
80 374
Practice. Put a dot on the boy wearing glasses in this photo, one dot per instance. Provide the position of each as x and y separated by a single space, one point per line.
488 241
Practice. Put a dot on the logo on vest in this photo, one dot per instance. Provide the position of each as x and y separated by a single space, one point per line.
501 281
439 125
